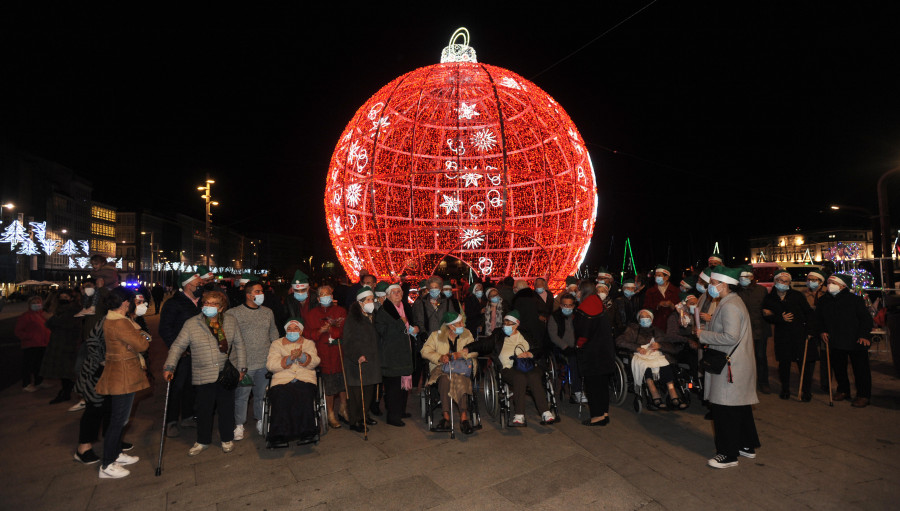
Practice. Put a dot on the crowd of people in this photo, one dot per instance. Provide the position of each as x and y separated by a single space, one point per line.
371 343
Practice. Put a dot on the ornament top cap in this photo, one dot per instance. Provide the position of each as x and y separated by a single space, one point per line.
459 52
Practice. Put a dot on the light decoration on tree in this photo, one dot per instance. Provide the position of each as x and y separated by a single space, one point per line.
862 278
461 159
845 252
69 248
14 233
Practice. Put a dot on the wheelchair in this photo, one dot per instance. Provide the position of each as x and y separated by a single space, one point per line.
496 392
684 383
321 415
430 401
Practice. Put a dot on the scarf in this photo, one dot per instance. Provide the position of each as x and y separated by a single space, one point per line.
218 332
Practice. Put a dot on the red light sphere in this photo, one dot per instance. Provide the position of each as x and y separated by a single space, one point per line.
461 159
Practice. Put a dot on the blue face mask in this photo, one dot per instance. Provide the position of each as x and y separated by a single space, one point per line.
713 291
209 311
701 287
301 297
508 330
479 294
646 322
36 307
659 281
628 293
259 299
745 281
325 301
495 299
567 311
411 330
459 330
448 293
292 336
538 290
434 293
782 287
812 285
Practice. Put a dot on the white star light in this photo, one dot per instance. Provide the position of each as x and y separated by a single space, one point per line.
354 194
471 238
509 82
471 179
380 123
85 246
484 140
573 133
450 204
467 111
336 223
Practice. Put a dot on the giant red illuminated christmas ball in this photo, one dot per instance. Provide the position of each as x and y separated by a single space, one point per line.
461 159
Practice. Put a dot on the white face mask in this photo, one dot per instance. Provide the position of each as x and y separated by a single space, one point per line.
603 295
259 299
88 291
140 309
834 289
369 307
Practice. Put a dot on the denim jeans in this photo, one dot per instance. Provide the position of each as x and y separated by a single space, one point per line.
241 395
120 409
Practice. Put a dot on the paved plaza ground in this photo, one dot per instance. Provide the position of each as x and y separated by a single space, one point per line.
813 457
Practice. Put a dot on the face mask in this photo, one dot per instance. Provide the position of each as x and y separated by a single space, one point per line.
567 311
301 297
434 293
37 306
692 308
88 291
325 301
646 322
659 281
479 294
603 296
628 293
495 299
292 336
713 291
834 289
369 307
259 299
140 309
197 292
782 287
507 330
538 290
459 330
745 281
448 294
812 285
411 330
701 287
209 311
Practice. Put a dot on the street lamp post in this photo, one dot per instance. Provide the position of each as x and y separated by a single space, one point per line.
151 254
884 220
207 196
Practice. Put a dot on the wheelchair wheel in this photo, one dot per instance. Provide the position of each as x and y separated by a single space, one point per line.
423 402
618 384
553 375
489 383
638 404
322 408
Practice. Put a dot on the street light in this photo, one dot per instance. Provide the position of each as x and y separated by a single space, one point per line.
143 233
209 203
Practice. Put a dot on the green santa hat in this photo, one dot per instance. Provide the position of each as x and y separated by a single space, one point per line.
247 277
450 318
841 279
186 277
704 275
300 281
663 268
815 272
423 284
381 289
689 281
715 257
296 321
779 271
726 275
570 280
363 293
204 272
628 282
513 316
604 273
447 285
746 270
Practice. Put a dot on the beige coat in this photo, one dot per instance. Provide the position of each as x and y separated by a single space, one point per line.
123 373
438 345
280 349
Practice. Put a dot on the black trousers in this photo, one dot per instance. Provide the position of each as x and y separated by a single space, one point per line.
862 374
293 411
355 402
823 367
784 374
394 398
181 392
92 420
734 428
213 398
574 375
760 347
120 409
596 388
519 381
31 365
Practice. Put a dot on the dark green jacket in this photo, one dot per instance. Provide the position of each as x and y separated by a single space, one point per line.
394 343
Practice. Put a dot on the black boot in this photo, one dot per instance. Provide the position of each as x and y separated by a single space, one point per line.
61 397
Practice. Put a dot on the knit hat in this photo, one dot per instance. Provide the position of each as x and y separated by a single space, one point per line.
294 321
301 281
363 293
648 311
513 316
816 273
450 317
570 280
842 279
186 277
704 275
726 275
746 270
381 289
715 257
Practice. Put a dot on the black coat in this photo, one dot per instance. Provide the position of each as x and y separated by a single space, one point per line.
474 316
527 302
846 320
395 345
598 354
790 337
360 339
175 312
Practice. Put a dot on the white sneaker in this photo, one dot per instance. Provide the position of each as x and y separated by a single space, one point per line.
77 406
747 452
259 428
547 417
29 388
238 432
722 461
227 447
197 449
113 471
125 459
518 420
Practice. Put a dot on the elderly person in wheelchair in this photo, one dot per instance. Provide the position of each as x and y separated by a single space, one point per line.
653 360
293 392
443 346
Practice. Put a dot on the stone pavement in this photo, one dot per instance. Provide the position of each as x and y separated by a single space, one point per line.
813 457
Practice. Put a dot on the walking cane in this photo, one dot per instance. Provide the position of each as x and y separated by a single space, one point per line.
803 368
452 433
162 436
828 358
362 399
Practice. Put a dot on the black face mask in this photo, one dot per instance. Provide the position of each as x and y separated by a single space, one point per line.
197 292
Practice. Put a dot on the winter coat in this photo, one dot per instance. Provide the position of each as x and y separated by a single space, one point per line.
557 320
846 320
279 349
790 337
438 345
428 318
545 307
753 297
597 354
123 371
501 310
62 349
360 340
626 312
329 354
294 308
474 316
395 345
730 330
206 359
635 336
31 329
175 312
92 366
527 302
652 301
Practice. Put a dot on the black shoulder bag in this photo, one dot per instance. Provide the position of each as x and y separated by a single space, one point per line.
229 376
714 361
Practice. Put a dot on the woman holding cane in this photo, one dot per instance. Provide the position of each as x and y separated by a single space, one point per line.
362 364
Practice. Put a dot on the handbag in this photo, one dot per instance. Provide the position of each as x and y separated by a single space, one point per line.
229 376
523 364
460 366
714 361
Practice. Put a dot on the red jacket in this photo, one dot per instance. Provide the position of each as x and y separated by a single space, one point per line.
32 330
652 299
329 354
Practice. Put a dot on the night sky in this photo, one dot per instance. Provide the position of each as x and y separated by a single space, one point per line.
705 120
